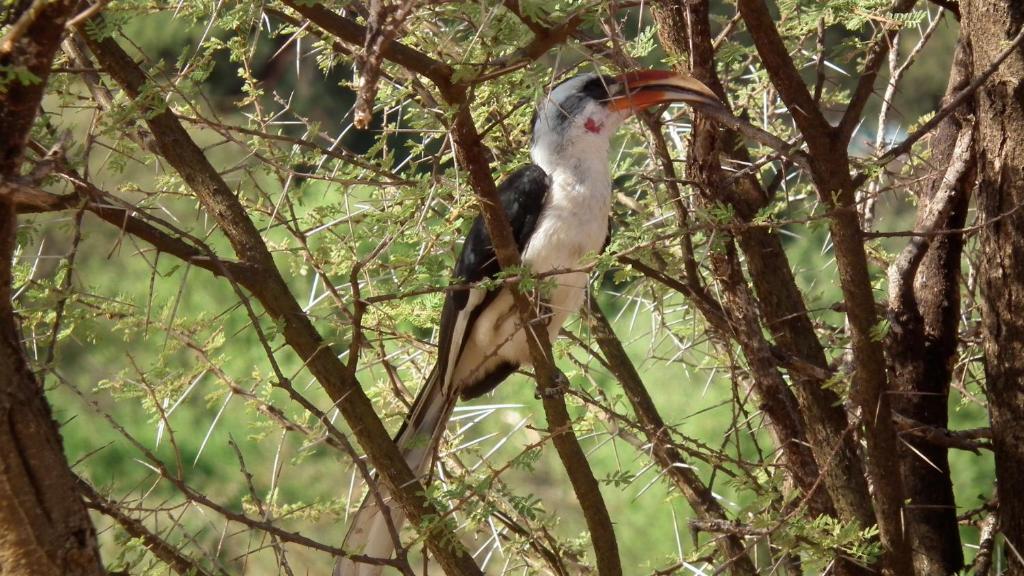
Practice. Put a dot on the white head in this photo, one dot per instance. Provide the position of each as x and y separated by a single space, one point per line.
577 119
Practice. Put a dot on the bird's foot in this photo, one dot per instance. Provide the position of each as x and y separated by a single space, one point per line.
558 388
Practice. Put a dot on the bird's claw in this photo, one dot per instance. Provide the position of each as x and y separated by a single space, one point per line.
560 385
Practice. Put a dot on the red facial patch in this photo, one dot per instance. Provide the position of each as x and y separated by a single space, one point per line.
592 125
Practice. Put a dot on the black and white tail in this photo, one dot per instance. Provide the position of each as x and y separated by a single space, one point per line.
418 439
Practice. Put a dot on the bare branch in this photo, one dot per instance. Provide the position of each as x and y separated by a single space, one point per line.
979 81
727 527
970 440
783 73
904 268
385 21
790 151
986 546
169 553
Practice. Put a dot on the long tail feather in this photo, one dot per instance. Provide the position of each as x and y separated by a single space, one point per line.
417 439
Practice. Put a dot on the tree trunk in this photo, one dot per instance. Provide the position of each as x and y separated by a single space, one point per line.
923 341
44 526
989 25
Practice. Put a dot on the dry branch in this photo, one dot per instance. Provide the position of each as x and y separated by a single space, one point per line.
385 21
169 553
970 440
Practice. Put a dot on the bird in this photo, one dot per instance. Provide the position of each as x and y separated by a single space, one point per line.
558 207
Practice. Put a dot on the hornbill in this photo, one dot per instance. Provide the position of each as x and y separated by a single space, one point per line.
558 207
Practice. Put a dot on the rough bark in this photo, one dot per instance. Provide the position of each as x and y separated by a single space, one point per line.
44 526
922 347
999 108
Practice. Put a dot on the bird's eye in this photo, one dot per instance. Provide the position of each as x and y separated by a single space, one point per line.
613 90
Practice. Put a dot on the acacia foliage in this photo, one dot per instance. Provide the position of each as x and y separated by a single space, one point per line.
752 383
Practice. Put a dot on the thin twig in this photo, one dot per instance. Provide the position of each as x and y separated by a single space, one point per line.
979 81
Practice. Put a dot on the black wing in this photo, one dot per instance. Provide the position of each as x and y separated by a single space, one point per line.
522 197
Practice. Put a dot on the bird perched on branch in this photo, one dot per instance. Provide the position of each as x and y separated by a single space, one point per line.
558 207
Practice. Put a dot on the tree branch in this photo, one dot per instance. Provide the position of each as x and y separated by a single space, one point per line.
668 458
961 97
783 73
790 151
127 219
876 56
783 309
409 58
936 213
971 440
835 188
986 545
728 527
544 38
685 30
156 545
177 147
385 21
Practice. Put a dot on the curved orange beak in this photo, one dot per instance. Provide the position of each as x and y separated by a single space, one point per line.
645 88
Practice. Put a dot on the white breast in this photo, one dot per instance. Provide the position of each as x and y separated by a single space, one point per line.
574 223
